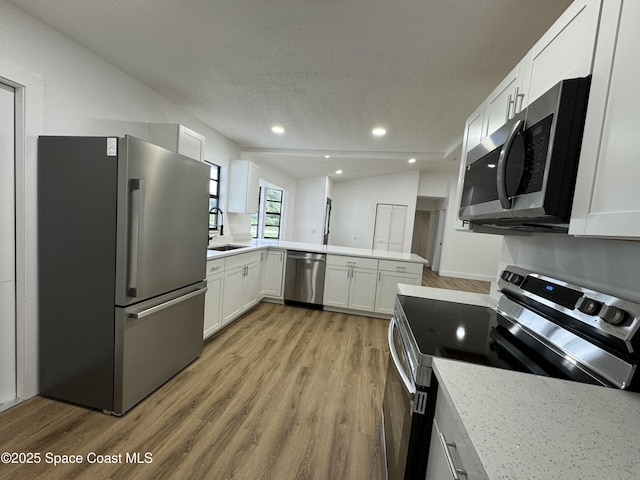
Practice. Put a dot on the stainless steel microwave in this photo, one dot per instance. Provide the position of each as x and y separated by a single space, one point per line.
522 176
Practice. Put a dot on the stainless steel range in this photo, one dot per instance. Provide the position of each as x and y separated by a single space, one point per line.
540 325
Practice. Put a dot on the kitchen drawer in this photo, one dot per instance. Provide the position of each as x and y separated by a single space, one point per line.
214 266
356 262
241 259
450 446
402 267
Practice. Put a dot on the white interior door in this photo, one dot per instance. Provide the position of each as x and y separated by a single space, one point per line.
388 234
7 246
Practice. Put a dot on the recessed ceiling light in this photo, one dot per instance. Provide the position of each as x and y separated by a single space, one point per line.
379 132
412 160
338 172
327 156
277 129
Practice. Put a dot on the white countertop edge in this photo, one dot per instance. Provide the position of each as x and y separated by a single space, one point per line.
317 248
443 294
527 426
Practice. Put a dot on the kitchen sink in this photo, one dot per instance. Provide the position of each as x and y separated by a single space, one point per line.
225 248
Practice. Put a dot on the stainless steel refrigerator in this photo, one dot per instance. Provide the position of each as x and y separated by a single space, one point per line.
122 242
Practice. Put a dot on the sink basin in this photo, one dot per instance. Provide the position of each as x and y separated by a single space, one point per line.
225 248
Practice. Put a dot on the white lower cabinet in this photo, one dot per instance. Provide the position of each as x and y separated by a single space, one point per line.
272 273
390 274
251 285
449 452
213 297
350 282
241 284
232 303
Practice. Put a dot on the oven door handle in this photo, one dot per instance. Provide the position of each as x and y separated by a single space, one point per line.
408 384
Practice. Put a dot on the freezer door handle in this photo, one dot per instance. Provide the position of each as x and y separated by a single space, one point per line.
162 306
136 212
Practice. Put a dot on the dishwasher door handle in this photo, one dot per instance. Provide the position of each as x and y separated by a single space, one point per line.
307 257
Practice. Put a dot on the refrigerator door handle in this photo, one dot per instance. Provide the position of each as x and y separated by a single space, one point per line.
162 306
136 212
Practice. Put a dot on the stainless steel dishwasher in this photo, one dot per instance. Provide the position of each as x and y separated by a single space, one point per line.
304 278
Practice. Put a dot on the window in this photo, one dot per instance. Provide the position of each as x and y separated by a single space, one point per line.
273 212
266 223
214 195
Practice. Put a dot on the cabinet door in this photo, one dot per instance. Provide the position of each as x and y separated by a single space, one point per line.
251 285
362 289
190 144
565 51
273 271
244 178
473 129
438 466
336 286
387 288
504 101
213 304
606 200
449 445
232 303
253 188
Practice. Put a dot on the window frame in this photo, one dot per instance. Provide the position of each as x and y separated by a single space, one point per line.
215 197
261 214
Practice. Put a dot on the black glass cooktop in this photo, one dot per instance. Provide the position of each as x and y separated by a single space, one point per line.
462 332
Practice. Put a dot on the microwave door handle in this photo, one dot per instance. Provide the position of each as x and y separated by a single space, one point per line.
501 176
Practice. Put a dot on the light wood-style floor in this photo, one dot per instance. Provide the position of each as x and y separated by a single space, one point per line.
282 393
432 279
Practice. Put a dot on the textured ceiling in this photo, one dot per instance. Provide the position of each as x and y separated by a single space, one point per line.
327 70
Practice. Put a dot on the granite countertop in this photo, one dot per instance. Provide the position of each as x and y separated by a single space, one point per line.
317 248
525 426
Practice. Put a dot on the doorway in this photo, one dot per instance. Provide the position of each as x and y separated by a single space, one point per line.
7 246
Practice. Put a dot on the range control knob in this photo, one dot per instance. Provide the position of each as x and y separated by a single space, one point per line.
613 315
588 306
516 279
506 275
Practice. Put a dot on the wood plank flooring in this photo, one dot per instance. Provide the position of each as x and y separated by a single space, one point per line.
433 279
283 393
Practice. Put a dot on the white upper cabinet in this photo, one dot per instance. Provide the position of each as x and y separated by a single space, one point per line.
505 101
606 201
565 51
178 138
473 132
244 178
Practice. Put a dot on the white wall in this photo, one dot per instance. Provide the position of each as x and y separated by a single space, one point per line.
467 254
74 93
311 198
354 207
434 185
612 266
